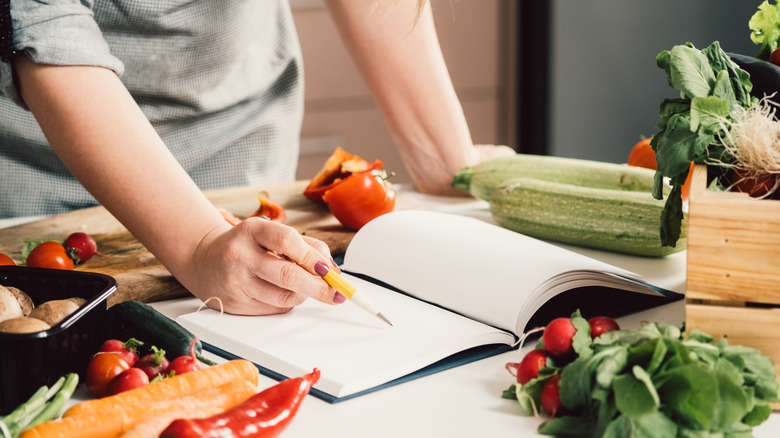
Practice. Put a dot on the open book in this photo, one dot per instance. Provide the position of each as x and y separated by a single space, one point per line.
455 288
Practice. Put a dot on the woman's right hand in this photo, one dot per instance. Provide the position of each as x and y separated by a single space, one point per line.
259 267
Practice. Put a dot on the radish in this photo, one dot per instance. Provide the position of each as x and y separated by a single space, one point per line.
551 396
600 325
557 338
529 367
153 363
185 364
81 247
127 350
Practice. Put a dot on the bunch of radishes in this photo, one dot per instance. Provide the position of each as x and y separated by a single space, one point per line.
118 367
557 346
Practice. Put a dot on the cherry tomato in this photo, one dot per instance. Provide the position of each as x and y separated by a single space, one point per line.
557 338
602 324
528 368
128 379
101 370
50 255
551 396
360 198
6 261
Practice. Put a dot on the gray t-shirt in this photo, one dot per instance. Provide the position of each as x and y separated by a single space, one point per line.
220 80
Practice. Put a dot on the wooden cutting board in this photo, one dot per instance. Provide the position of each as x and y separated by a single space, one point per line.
138 273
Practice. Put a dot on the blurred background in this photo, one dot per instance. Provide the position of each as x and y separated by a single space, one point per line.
569 78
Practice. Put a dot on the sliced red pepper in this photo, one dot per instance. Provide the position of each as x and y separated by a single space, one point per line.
269 209
339 166
263 415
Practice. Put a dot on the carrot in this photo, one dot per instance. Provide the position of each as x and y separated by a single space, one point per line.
171 388
116 420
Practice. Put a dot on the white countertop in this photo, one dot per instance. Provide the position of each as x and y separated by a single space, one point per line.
464 401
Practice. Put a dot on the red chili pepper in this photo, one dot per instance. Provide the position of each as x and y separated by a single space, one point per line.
270 209
263 415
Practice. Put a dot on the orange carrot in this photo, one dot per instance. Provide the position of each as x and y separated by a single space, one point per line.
116 420
171 388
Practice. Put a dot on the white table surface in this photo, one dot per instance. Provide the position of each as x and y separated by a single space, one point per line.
464 401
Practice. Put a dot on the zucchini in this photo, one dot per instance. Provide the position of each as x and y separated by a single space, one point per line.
482 179
606 219
134 319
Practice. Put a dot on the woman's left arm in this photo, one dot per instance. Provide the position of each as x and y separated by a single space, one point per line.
399 56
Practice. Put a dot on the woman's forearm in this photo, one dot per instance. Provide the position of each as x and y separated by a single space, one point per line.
404 68
105 140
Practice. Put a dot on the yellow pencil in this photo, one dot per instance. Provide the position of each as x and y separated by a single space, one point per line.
338 282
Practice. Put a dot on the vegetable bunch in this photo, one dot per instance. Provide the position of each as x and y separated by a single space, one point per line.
47 403
653 382
711 87
765 30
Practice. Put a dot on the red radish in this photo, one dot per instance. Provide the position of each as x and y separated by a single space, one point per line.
551 396
529 367
81 247
774 58
153 363
602 324
127 350
185 364
128 379
557 338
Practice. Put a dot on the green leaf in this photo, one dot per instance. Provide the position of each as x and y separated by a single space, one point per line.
707 113
567 426
690 72
732 404
632 396
30 244
765 27
653 425
758 414
690 392
575 384
581 340
611 366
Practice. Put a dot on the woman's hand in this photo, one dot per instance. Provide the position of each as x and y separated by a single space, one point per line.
259 267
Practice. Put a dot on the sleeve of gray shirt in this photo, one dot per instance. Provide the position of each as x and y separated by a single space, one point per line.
56 32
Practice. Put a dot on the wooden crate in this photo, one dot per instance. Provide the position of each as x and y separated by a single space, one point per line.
733 267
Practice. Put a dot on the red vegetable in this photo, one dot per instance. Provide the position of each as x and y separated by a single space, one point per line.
153 363
128 379
6 261
127 350
557 338
340 165
551 396
774 58
101 370
185 364
528 368
81 247
265 414
602 324
270 209
360 198
50 255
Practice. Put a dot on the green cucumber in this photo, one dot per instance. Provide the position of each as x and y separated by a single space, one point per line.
608 219
481 179
134 319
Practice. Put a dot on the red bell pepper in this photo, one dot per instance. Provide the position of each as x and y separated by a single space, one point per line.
263 415
340 165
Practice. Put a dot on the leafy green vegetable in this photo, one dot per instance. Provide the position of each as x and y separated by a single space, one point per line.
765 27
711 86
653 382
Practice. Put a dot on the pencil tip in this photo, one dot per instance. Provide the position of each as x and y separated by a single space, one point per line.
384 319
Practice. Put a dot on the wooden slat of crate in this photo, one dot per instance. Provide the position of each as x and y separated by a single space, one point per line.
733 245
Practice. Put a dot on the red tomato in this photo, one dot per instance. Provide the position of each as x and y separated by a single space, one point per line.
6 261
602 324
128 379
528 368
50 255
551 396
557 338
360 198
101 370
